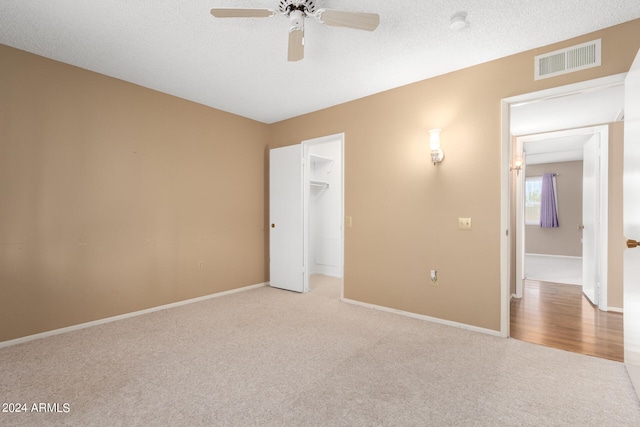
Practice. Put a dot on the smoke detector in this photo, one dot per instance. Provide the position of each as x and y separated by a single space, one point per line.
458 21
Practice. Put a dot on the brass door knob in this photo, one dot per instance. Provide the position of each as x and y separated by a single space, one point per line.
632 243
580 227
273 226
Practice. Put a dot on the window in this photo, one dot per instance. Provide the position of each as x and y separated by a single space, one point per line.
533 191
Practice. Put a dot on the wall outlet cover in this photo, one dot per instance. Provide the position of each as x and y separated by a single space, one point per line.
464 223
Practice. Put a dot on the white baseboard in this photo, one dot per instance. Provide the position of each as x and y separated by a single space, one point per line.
125 316
326 270
425 318
615 309
555 256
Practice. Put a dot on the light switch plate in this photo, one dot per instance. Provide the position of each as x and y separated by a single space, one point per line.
464 223
348 220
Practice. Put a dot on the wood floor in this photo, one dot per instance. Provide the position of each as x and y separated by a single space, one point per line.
560 316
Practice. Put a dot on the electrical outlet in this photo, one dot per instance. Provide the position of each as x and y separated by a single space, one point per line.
434 276
464 223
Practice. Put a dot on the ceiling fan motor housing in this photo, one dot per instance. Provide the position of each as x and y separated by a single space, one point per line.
307 7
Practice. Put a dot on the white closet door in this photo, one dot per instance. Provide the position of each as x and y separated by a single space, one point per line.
286 218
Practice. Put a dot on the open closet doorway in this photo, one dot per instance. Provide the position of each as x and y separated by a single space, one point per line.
324 213
306 211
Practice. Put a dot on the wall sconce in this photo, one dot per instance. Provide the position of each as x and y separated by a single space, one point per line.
434 144
517 167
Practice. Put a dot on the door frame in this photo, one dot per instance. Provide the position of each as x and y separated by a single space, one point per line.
505 177
306 144
601 236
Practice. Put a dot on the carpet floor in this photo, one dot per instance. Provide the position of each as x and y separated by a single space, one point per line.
275 358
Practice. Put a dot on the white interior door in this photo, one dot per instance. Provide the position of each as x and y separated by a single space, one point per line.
286 236
590 209
632 223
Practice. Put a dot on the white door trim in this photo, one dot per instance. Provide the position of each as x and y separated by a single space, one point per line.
505 212
519 226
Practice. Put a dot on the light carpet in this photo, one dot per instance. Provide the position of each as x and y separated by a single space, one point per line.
277 358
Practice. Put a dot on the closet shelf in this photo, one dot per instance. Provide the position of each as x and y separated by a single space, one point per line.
319 159
321 184
324 163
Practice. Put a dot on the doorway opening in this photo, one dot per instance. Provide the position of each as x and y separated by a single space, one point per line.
562 270
575 250
569 107
324 213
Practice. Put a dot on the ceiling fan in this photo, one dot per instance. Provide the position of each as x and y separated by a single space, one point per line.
297 11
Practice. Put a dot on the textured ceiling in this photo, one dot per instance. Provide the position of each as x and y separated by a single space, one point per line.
240 65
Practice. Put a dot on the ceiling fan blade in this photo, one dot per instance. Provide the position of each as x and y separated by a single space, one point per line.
296 44
341 18
242 13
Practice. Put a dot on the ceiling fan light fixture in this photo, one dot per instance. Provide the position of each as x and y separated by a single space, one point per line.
458 21
296 17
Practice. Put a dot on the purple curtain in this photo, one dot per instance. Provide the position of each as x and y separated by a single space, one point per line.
548 208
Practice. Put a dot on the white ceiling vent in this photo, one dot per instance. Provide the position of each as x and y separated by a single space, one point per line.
568 60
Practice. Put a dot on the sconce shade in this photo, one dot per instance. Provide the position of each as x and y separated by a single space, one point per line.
434 145
517 167
434 142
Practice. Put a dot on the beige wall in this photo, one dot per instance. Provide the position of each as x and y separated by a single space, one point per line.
112 194
405 209
566 239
